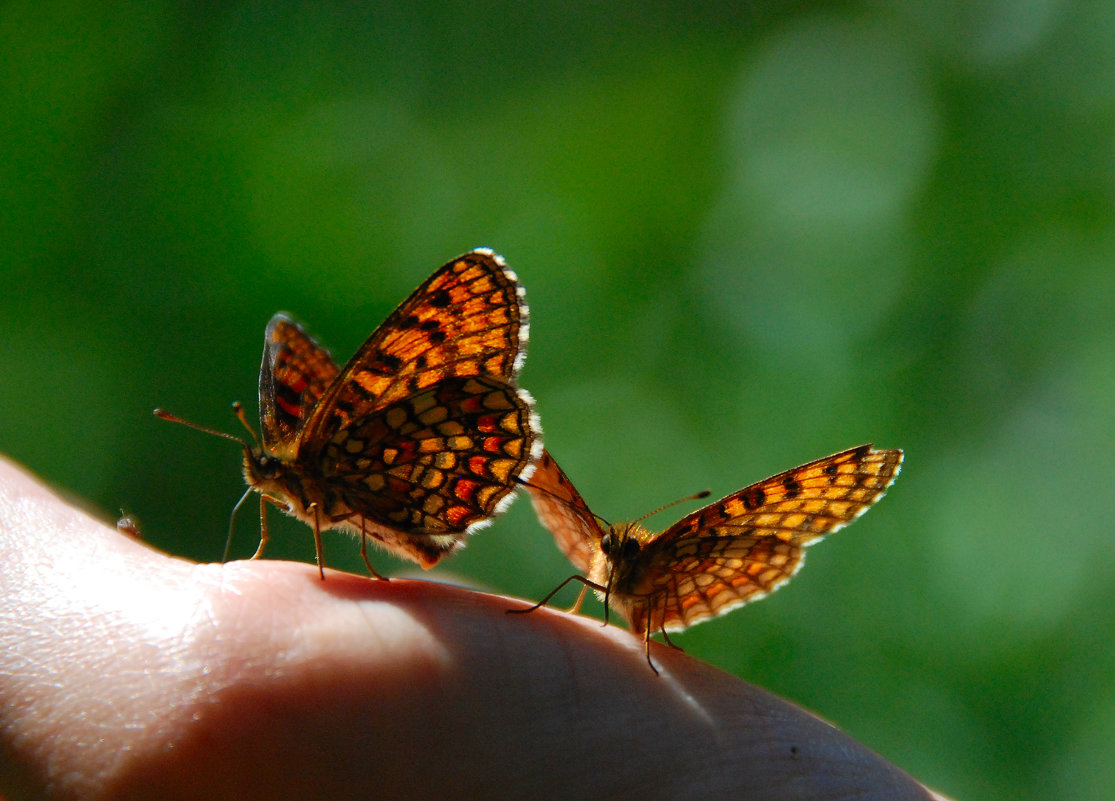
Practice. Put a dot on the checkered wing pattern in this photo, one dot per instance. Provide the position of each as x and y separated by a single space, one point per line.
423 435
749 543
439 461
468 319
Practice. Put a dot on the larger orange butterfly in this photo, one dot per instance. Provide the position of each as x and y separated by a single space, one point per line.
733 551
420 439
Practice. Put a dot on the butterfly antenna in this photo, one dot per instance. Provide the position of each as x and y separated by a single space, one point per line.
568 502
238 410
163 414
695 497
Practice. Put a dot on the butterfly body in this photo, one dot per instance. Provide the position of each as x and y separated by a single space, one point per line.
421 438
730 552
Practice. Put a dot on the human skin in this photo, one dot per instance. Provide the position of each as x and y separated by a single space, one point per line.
126 673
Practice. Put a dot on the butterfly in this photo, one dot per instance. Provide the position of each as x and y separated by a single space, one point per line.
728 553
420 439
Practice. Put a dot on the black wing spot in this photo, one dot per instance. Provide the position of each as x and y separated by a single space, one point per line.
286 392
430 325
792 487
755 498
387 364
831 469
408 322
441 299
437 337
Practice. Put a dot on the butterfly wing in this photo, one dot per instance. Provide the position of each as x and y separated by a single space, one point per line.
295 373
468 319
424 431
440 461
563 511
749 543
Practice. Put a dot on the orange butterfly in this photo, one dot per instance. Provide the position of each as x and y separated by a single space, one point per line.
735 550
420 439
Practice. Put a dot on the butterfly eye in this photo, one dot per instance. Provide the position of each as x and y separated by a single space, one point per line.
268 465
606 544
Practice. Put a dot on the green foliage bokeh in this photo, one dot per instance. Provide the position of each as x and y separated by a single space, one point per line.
751 235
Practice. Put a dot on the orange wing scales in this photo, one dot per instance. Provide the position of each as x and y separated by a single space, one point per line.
422 436
735 550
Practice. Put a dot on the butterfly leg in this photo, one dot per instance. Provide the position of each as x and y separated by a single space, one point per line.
576 607
317 542
554 592
262 528
232 523
646 646
670 643
364 552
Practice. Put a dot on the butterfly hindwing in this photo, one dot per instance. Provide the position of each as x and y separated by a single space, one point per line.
442 460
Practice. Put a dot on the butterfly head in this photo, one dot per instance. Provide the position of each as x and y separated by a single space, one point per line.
260 467
622 542
622 549
263 470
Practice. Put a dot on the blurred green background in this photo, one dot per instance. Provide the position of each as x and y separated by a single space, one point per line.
751 235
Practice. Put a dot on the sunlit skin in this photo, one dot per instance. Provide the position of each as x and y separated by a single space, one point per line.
131 673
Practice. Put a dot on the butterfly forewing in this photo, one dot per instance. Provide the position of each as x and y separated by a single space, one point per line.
295 373
467 319
563 511
800 504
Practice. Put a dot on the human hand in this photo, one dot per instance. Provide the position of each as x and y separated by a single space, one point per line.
129 674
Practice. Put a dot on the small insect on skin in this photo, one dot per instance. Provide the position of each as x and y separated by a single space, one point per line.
733 551
129 524
420 439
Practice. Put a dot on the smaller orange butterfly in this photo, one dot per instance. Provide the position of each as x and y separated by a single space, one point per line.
733 551
416 442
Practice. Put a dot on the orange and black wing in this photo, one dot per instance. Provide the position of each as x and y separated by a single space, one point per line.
749 543
442 460
563 511
424 429
295 373
468 319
